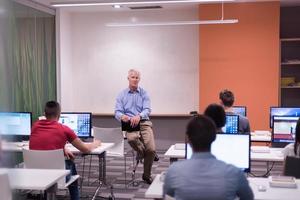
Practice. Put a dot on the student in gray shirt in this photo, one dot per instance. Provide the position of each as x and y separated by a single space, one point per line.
227 101
203 176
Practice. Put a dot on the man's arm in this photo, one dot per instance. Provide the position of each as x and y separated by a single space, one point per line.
244 190
119 111
146 106
85 147
167 187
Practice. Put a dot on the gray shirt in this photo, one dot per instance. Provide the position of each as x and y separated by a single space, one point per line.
205 177
244 125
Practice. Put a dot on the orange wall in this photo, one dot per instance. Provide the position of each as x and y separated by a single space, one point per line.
242 57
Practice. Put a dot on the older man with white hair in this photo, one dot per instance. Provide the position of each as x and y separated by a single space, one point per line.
133 107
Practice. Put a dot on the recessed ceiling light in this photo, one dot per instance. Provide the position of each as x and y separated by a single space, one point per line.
116 6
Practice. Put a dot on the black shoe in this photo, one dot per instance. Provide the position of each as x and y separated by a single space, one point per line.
156 158
148 180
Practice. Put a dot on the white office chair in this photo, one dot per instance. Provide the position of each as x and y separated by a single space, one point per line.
111 135
116 136
48 159
5 189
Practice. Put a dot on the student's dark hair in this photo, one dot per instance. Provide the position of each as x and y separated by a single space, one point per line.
52 109
201 132
297 137
217 114
227 97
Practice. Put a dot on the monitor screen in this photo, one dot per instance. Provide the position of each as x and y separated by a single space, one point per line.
284 128
232 124
283 111
240 110
79 122
231 148
15 123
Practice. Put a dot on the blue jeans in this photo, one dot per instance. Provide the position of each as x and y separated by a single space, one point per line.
73 188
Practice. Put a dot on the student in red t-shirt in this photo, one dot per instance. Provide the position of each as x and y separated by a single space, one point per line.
49 134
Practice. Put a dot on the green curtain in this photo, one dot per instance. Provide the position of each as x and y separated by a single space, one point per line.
31 62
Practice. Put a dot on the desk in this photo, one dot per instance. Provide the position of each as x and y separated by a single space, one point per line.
100 152
275 155
155 190
35 179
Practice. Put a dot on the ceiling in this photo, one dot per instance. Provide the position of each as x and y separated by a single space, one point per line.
109 8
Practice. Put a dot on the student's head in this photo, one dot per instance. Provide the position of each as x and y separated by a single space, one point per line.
52 110
217 114
133 77
297 136
226 97
201 132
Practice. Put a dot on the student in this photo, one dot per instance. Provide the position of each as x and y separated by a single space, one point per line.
217 114
203 176
293 149
49 134
227 101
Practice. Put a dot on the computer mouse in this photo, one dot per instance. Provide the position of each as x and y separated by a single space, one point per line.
262 188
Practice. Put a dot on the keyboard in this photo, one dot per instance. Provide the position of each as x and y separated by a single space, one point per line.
260 149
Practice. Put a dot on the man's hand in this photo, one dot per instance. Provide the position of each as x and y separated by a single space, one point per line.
96 143
125 118
135 120
69 155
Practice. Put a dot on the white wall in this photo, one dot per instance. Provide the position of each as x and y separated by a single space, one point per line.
65 80
96 71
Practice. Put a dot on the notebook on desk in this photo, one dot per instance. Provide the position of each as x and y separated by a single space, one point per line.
128 128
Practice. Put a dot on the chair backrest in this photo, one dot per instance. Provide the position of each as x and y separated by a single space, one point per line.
111 135
5 189
45 159
292 166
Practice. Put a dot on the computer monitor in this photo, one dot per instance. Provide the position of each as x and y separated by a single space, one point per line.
283 131
241 110
79 122
231 148
15 124
232 124
283 111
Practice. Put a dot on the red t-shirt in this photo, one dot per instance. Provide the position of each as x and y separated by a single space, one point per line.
50 135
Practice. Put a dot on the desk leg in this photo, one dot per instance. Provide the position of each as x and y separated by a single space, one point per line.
102 167
173 160
51 192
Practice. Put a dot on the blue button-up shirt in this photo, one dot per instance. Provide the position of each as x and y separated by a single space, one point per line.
205 177
132 103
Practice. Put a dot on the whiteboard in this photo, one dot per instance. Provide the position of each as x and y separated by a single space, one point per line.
96 59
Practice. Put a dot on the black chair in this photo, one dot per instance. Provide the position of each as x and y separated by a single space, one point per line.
292 167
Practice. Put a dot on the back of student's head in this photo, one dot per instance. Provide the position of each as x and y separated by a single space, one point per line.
227 97
217 114
297 137
52 109
201 132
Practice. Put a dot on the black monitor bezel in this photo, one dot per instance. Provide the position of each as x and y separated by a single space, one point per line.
91 125
9 137
238 123
277 143
242 107
246 170
271 116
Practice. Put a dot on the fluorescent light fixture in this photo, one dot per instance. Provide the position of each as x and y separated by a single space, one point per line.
70 4
175 23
